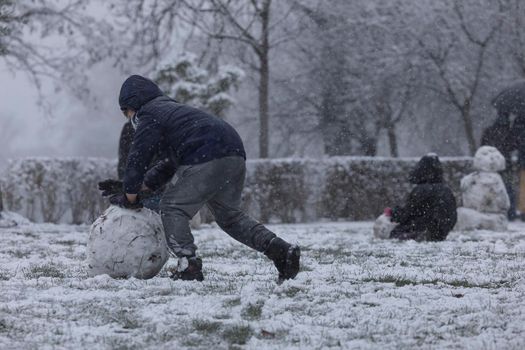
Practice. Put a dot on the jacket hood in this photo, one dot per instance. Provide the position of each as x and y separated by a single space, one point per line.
136 91
427 170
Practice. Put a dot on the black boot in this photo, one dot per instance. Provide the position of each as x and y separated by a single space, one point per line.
285 257
191 272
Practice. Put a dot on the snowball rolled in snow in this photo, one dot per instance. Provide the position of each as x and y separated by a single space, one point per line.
470 219
383 226
9 219
485 192
126 243
488 158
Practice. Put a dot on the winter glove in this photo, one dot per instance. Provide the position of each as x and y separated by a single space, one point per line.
110 187
121 200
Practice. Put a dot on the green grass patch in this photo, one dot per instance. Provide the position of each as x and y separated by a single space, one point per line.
401 282
44 270
4 276
252 311
232 302
68 242
237 334
3 326
205 326
18 253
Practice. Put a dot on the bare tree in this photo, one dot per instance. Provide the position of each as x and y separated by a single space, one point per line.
461 71
50 39
5 17
360 72
392 101
253 25
516 32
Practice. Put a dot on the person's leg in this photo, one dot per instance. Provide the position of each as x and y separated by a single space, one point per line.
194 186
507 181
521 194
404 233
225 207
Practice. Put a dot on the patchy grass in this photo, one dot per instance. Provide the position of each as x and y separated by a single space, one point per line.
205 326
252 311
18 253
3 326
231 302
4 275
401 282
44 270
237 334
68 242
353 291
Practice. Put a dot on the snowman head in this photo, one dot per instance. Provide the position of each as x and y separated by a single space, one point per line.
488 158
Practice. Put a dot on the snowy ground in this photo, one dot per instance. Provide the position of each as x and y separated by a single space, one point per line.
353 292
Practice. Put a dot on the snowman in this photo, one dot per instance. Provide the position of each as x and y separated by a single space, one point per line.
485 199
127 243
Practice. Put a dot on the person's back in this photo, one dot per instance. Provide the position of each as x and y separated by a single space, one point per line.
183 134
192 135
430 210
444 214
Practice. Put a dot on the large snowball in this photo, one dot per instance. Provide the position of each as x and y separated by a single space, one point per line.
127 243
485 192
383 226
470 219
9 219
488 158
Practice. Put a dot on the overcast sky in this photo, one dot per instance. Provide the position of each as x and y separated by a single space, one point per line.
75 129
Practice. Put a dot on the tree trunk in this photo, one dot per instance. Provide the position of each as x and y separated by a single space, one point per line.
263 109
469 129
1 202
264 75
369 146
392 141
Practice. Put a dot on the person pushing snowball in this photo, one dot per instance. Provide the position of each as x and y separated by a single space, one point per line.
207 156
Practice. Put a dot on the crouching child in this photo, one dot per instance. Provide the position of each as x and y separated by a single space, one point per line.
429 212
207 157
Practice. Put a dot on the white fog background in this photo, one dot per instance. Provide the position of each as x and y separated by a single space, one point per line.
90 127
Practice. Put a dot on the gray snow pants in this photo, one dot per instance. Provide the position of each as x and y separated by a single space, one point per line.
217 184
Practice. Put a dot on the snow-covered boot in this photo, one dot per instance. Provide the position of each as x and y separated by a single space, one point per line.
285 256
188 269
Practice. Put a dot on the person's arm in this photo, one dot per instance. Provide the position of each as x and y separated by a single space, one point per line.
159 175
126 138
145 144
413 207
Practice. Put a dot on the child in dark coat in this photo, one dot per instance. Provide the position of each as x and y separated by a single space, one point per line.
208 157
429 213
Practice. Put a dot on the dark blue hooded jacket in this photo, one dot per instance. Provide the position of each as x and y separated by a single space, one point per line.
430 210
181 134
